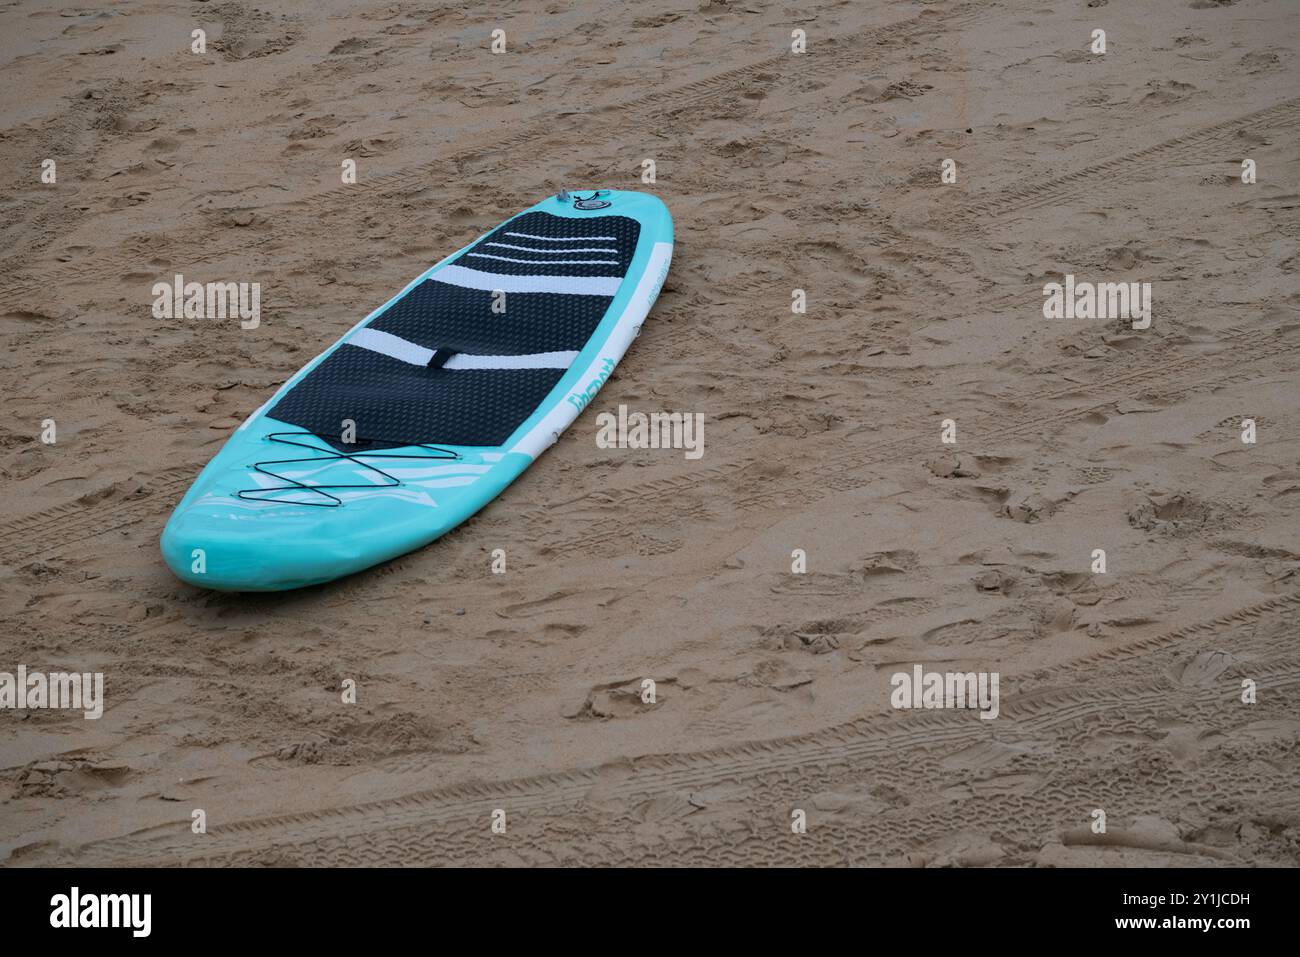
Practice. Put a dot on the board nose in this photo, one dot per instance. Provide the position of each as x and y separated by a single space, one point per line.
204 551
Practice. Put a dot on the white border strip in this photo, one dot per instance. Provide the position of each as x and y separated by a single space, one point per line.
544 434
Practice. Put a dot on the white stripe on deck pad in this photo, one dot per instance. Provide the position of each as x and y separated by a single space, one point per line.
555 252
567 239
390 345
536 360
404 350
549 262
573 285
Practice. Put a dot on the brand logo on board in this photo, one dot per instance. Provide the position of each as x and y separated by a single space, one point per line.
580 399
593 201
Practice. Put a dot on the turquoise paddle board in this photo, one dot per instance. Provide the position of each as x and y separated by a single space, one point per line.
432 404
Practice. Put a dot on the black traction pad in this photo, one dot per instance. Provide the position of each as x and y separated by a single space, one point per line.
394 403
622 231
437 315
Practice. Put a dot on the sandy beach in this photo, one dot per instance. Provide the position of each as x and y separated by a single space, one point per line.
823 171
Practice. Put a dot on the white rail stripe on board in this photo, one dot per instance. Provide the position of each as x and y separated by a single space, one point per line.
547 429
468 278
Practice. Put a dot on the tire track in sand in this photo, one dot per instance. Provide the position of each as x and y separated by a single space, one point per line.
370 827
